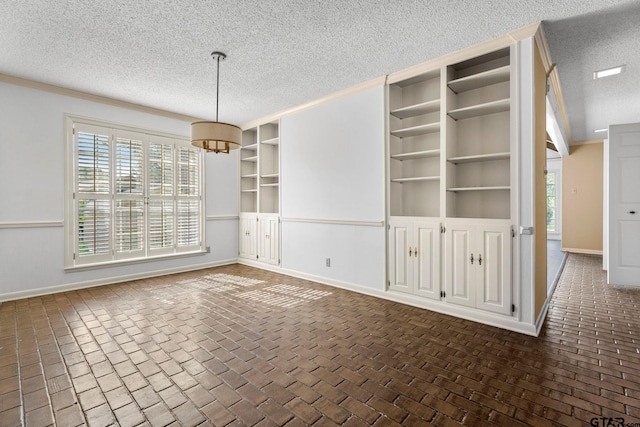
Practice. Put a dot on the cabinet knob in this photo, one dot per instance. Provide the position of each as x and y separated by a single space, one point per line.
415 251
410 251
480 259
632 212
471 258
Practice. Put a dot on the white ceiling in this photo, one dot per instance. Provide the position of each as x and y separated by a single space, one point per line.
288 52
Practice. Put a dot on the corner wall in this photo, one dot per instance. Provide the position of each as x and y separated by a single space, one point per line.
582 174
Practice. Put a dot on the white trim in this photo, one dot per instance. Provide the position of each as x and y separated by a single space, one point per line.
109 280
129 261
542 316
116 126
496 43
334 221
31 224
474 315
556 279
46 87
582 251
587 142
376 82
221 217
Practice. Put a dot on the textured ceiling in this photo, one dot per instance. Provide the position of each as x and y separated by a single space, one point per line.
285 53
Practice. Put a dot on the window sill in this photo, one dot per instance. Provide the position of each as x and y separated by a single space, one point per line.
133 261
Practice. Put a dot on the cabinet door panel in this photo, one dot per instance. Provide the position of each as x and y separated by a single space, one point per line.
268 238
399 262
427 261
459 279
248 236
494 273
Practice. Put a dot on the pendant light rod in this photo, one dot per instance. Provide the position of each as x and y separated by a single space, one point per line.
216 136
217 56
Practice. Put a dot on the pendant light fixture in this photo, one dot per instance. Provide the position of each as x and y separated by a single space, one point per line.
216 136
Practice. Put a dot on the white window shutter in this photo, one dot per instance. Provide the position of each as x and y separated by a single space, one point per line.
136 195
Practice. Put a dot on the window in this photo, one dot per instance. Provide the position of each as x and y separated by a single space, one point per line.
551 202
133 194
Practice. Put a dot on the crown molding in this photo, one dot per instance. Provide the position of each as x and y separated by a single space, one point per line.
46 87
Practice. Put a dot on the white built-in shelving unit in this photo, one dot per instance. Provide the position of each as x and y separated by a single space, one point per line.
260 193
478 142
414 146
449 183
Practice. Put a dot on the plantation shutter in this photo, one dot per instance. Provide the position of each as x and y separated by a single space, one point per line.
188 200
92 152
161 196
129 195
135 195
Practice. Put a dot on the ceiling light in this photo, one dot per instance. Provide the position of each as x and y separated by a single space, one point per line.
601 130
216 136
609 72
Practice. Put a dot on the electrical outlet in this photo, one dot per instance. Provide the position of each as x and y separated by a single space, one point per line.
208 249
328 262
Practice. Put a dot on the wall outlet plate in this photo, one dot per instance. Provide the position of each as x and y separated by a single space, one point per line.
328 262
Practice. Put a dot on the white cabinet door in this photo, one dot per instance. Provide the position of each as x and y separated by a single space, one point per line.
269 239
248 236
426 253
400 268
414 257
478 266
493 288
624 205
459 263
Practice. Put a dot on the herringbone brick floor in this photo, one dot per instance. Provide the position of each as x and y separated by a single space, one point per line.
240 346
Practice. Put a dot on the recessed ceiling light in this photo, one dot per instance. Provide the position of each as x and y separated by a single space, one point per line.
601 130
609 72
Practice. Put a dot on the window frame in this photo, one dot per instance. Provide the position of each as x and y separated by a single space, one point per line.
72 261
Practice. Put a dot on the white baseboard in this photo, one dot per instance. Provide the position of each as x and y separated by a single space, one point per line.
582 251
109 280
479 316
504 322
542 316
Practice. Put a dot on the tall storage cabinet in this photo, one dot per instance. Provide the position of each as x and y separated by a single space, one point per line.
260 193
450 183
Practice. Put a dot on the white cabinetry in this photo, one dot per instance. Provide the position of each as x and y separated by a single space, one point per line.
260 193
414 254
478 266
269 239
248 235
450 162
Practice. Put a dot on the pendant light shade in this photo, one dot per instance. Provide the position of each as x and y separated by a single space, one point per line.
216 136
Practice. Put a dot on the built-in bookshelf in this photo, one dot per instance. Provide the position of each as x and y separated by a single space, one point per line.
269 157
414 146
478 159
249 171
